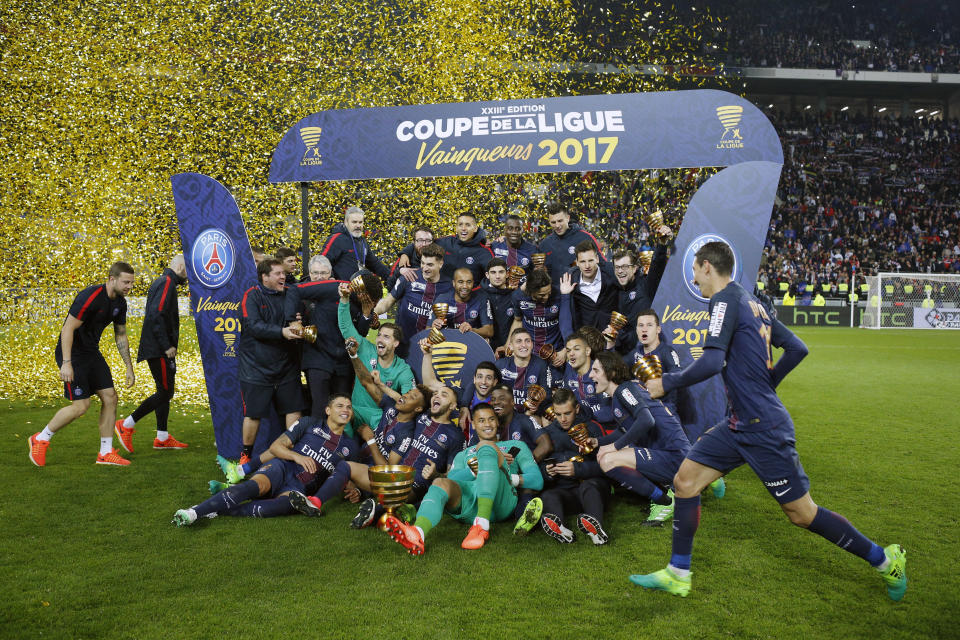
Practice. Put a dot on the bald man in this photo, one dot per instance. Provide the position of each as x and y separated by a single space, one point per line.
158 346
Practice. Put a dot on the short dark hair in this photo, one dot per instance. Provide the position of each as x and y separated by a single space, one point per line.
338 394
257 249
371 283
489 366
432 250
501 387
513 217
265 266
555 207
397 331
538 279
119 267
585 245
483 405
423 227
613 367
563 396
519 330
496 262
650 312
283 252
469 214
719 255
626 253
593 337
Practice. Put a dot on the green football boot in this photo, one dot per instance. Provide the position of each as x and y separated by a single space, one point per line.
660 513
529 519
895 575
719 487
216 486
664 580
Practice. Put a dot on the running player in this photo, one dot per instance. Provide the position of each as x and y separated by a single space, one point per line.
760 432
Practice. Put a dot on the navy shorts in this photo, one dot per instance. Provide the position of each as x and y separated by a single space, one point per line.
91 373
282 475
772 454
657 465
257 399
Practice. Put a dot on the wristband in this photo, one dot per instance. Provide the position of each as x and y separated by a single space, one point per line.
372 442
66 361
515 479
352 356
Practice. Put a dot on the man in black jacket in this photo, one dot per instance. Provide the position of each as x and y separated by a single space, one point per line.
595 288
465 249
636 288
348 251
325 361
158 346
268 356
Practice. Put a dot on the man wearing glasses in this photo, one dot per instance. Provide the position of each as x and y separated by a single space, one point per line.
408 260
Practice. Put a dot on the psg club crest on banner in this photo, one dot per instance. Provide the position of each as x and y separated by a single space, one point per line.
213 258
690 254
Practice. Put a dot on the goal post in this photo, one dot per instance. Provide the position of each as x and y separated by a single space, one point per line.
912 300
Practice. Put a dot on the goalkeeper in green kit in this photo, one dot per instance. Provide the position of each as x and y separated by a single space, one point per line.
479 497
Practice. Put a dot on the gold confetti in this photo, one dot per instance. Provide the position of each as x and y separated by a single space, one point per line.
104 101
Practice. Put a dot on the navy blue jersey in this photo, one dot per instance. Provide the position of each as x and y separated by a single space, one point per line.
431 440
742 328
95 309
501 305
519 257
541 320
476 311
669 360
517 378
390 432
560 251
312 438
584 389
414 300
630 400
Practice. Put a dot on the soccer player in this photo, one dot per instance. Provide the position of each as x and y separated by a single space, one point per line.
560 245
575 484
348 251
414 298
83 369
466 248
515 425
760 431
576 377
310 459
501 301
648 335
269 359
523 369
469 308
394 372
515 250
489 495
646 450
536 308
158 346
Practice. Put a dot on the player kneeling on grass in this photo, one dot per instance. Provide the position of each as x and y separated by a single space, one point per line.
646 450
573 480
489 494
310 459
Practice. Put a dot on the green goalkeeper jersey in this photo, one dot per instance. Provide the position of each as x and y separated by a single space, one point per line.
523 464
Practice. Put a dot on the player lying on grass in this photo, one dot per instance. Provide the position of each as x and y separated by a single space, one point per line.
479 498
759 432
310 459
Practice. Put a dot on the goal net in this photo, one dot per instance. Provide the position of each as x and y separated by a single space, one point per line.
912 300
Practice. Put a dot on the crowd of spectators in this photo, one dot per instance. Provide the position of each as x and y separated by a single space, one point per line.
881 35
857 196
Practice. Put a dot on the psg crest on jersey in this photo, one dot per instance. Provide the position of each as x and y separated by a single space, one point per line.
690 254
213 258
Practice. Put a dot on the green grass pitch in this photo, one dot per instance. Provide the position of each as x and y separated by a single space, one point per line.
89 551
